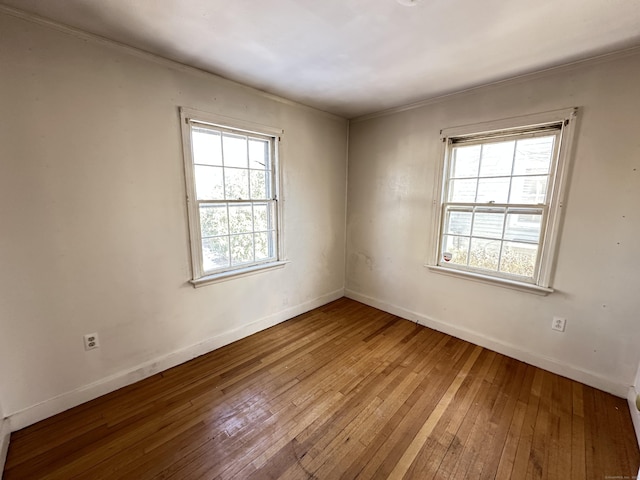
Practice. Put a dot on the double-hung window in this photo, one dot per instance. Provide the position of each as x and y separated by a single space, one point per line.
500 199
232 191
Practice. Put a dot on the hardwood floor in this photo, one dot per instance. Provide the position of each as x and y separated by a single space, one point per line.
342 392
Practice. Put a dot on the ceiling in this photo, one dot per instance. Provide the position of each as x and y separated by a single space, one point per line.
354 57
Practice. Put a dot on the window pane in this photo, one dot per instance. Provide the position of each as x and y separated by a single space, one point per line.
533 156
497 159
488 225
458 223
215 253
523 227
265 245
240 220
462 190
213 220
455 250
519 258
209 184
531 190
236 183
259 187
258 154
206 146
493 190
484 254
261 217
235 150
272 216
241 249
465 161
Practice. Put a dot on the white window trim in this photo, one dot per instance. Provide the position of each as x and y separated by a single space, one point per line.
240 272
549 243
199 278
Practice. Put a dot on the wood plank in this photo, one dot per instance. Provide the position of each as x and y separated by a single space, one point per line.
459 463
386 441
502 416
562 404
487 432
538 457
578 462
418 441
509 450
443 444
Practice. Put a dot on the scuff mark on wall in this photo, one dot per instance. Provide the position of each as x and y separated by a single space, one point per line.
359 259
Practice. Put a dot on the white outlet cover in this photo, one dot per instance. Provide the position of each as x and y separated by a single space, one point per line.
91 341
559 324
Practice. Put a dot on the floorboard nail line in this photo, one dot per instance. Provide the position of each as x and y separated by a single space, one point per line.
412 451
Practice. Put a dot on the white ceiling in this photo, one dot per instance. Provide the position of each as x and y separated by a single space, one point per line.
353 57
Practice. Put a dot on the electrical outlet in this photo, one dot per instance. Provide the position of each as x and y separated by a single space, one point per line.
558 323
91 341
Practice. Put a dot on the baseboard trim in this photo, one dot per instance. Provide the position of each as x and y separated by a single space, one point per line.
635 414
5 435
73 398
547 363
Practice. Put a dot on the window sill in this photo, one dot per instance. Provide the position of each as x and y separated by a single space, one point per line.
500 282
241 272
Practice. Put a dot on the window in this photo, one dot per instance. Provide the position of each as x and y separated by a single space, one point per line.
501 197
232 184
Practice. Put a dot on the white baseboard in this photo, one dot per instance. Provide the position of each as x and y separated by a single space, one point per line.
5 433
532 358
635 415
65 401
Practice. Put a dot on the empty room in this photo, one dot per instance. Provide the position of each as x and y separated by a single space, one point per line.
337 239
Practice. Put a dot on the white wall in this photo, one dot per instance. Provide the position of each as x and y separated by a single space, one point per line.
392 166
94 227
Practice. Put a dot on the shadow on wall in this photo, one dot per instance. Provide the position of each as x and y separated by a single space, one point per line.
121 21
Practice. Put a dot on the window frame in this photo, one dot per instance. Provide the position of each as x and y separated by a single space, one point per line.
565 120
190 117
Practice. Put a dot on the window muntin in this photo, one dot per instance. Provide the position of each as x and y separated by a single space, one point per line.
233 201
497 195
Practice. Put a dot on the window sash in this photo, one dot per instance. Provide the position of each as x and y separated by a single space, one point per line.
271 231
502 135
505 208
271 236
231 130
